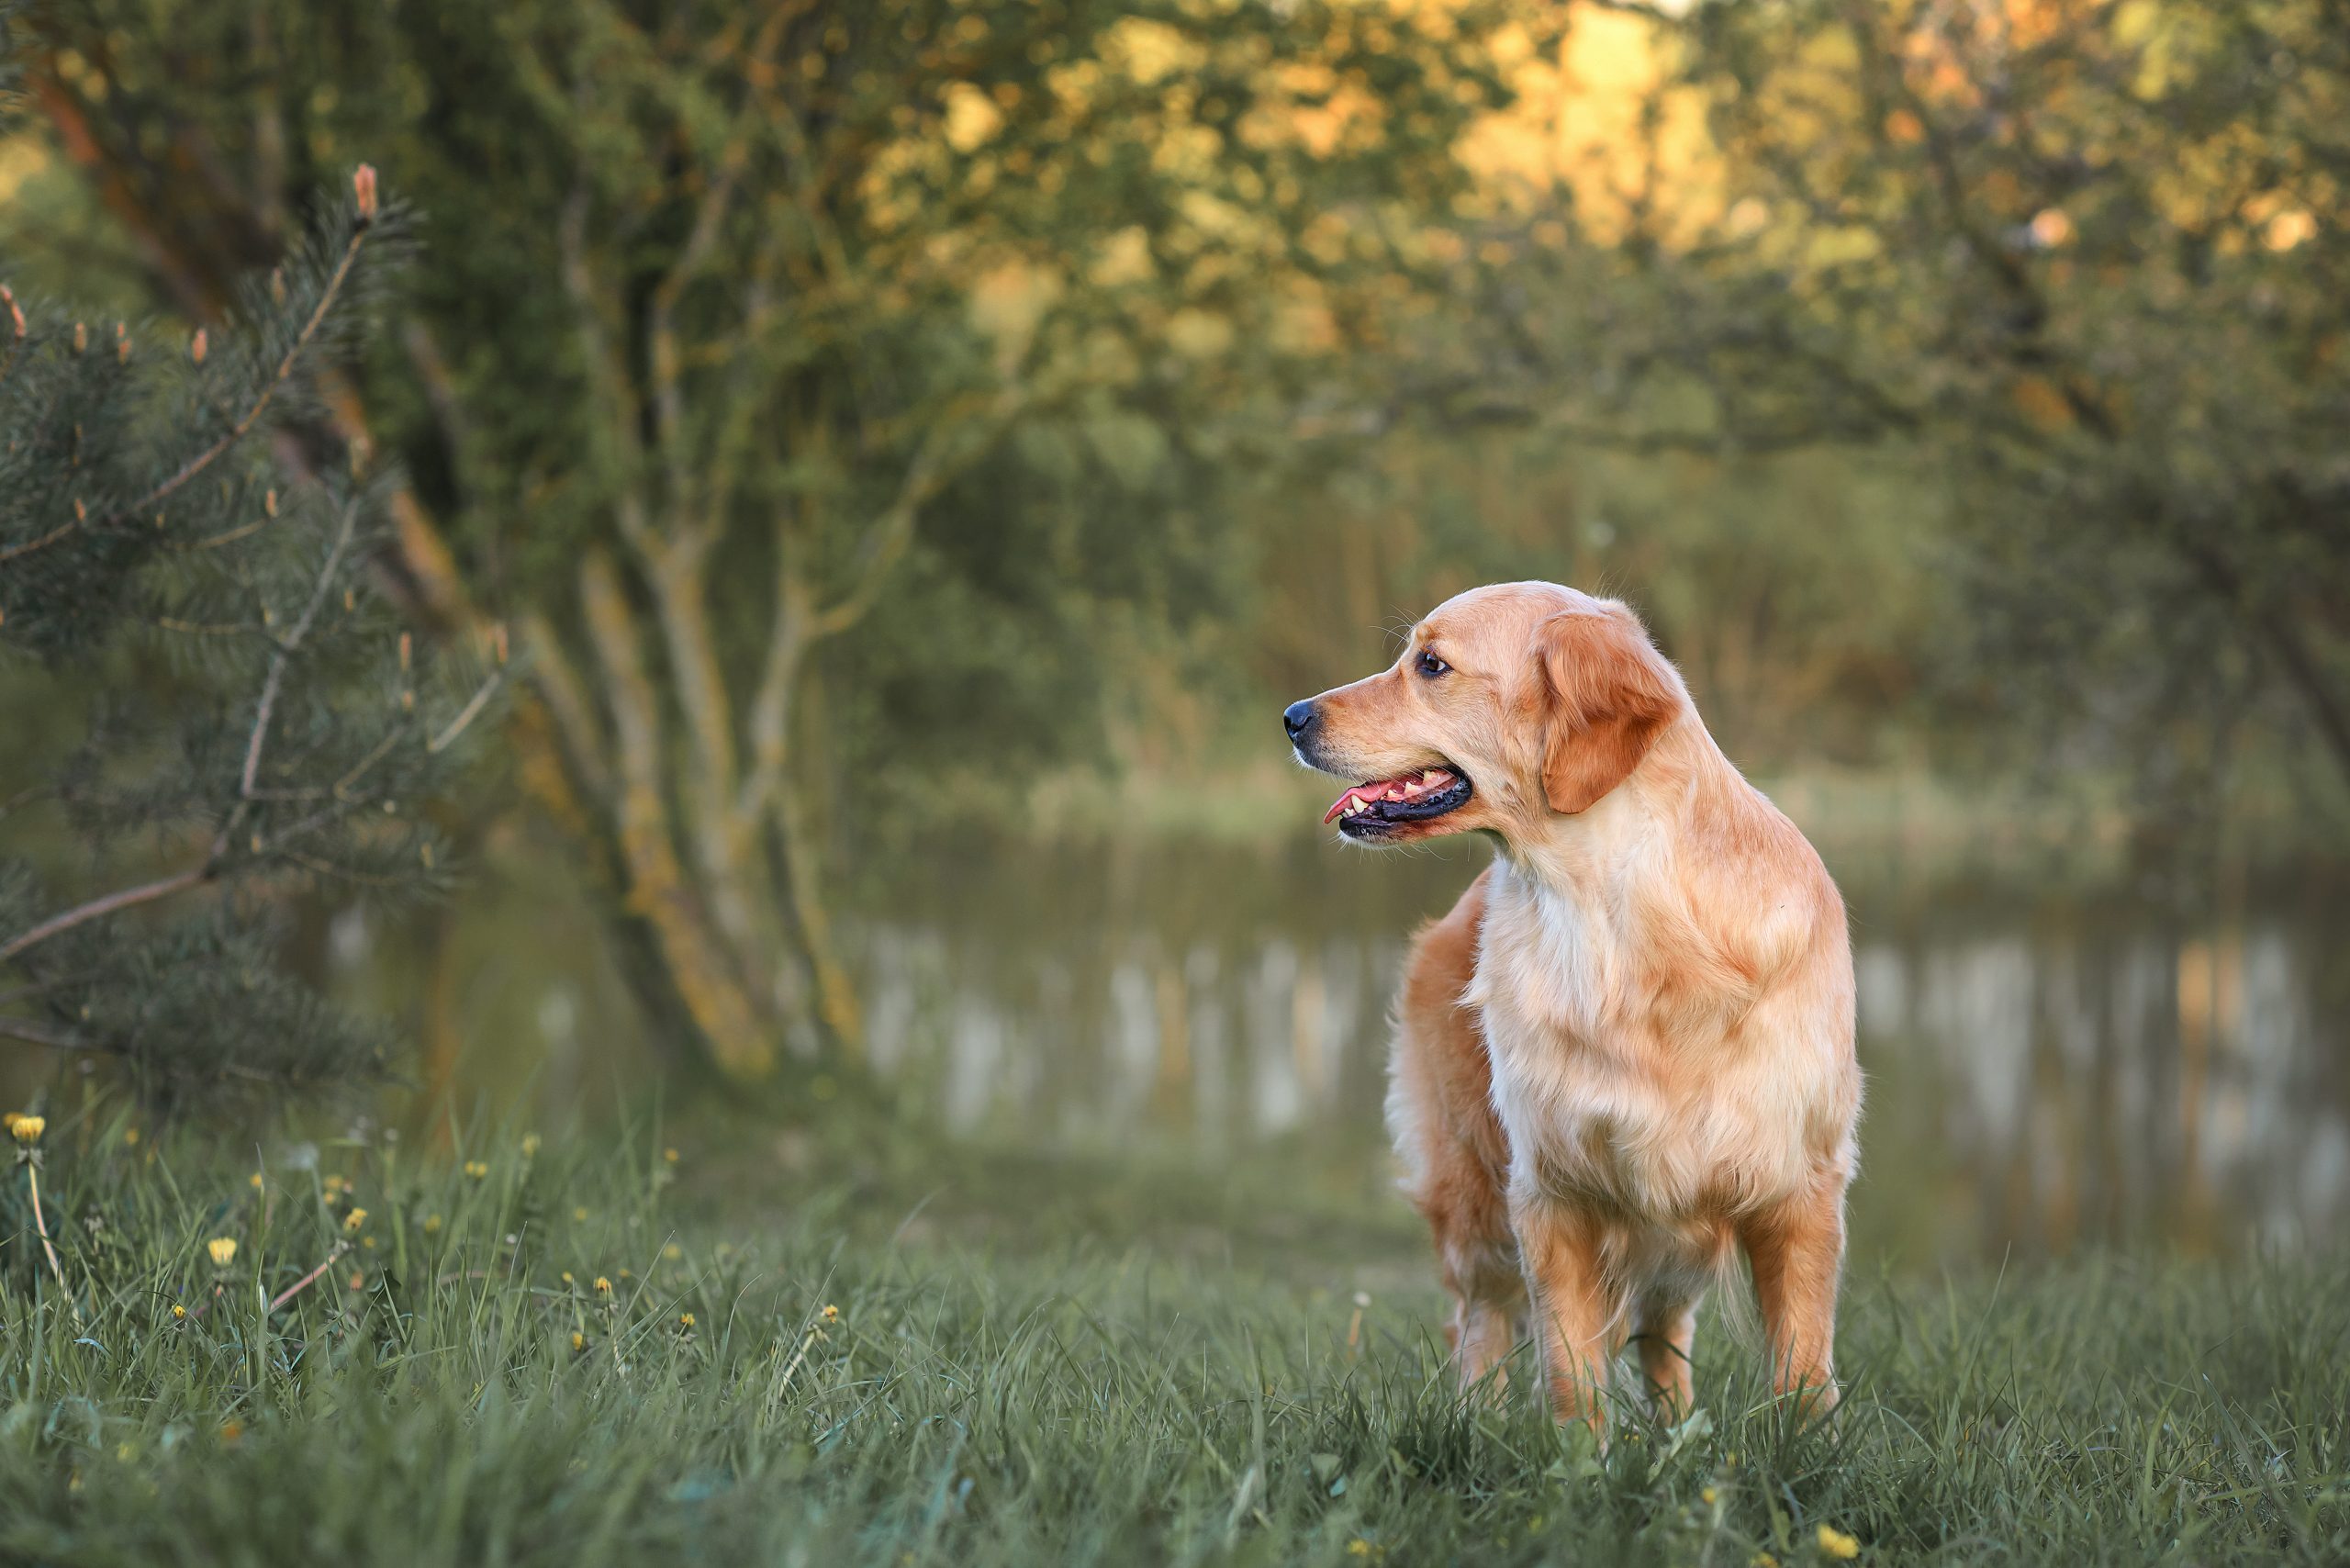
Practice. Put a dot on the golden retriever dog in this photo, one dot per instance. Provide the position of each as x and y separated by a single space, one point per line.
1626 1054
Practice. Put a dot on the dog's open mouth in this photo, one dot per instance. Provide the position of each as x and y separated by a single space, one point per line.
1367 810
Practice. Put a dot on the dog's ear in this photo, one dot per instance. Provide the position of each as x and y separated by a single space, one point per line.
1607 694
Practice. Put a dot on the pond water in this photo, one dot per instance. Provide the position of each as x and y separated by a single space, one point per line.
2046 1071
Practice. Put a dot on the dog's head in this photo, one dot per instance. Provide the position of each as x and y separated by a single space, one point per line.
1510 706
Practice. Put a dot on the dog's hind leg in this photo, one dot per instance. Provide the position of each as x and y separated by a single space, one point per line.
1664 1329
1488 1291
1440 1114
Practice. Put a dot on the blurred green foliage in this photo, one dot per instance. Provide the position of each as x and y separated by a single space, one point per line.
2088 265
867 412
857 381
192 584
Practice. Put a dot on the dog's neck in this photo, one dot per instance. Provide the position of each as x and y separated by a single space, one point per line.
1583 855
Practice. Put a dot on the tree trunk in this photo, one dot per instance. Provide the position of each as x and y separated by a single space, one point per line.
836 1001
722 834
742 1045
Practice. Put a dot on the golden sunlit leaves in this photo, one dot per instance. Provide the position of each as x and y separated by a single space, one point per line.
1149 51
1008 302
2288 228
972 118
1198 334
2050 228
2041 402
1123 259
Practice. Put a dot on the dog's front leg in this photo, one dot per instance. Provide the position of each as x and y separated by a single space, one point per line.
1796 1250
1575 1317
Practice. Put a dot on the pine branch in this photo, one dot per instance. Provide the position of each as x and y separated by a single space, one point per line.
473 710
128 898
274 753
364 183
288 647
36 1034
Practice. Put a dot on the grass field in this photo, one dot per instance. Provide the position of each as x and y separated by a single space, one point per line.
790 1372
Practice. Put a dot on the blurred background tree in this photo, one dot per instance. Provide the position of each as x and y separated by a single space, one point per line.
890 423
256 719
2083 270
930 333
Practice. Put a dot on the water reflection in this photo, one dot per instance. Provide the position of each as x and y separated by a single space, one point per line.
2043 1074
1223 1044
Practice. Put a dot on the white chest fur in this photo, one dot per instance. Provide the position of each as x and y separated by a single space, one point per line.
1670 1096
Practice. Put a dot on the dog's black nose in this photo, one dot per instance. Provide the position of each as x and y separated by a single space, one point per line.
1298 718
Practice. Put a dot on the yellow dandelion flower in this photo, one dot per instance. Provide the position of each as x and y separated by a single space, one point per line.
567 1278
253 1181
671 1154
603 1285
1708 1496
831 1313
578 1341
354 1220
179 1313
223 1249
1835 1544
1762 1560
27 1130
530 1146
232 1431
579 1215
431 1224
476 1169
10 1118
335 1184
131 1136
673 1252
685 1320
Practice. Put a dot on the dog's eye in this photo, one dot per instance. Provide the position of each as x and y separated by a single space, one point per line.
1430 665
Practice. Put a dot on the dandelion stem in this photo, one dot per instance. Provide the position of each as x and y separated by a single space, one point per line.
306 1281
797 1356
40 1222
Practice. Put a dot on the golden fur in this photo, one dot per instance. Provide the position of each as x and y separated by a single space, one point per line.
1628 1050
